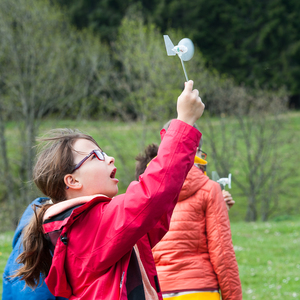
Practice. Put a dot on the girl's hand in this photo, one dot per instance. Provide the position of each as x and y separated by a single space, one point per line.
228 199
189 105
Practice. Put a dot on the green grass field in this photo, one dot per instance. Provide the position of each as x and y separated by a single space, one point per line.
268 258
267 255
125 140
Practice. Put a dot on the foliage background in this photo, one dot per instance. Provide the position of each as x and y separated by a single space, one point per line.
57 64
253 41
101 67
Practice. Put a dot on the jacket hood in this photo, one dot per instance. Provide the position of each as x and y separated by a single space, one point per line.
193 182
58 215
67 204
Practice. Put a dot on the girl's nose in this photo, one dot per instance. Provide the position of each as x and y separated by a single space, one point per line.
110 159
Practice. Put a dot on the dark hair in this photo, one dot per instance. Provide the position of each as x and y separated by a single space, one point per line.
55 160
144 158
35 258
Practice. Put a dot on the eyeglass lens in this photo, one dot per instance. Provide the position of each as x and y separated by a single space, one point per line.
100 154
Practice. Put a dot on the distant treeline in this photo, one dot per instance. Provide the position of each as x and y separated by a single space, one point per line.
113 65
257 42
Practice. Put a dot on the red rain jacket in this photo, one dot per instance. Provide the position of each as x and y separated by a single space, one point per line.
95 242
197 252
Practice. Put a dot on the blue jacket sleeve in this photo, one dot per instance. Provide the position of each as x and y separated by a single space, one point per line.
14 288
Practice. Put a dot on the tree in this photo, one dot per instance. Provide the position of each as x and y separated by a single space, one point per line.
104 17
248 142
146 84
45 67
253 41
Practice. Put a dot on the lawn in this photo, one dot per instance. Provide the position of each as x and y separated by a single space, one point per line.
267 255
268 259
125 140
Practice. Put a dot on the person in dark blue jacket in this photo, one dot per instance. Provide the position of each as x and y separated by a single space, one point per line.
14 288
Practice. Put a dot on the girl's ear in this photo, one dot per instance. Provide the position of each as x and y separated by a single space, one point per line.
71 182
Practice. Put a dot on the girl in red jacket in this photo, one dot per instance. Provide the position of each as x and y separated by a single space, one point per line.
196 257
101 243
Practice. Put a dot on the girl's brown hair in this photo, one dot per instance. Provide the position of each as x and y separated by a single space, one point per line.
54 161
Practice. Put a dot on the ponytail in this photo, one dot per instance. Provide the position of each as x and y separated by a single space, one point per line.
36 257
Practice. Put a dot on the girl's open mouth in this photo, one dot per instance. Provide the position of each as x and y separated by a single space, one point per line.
113 173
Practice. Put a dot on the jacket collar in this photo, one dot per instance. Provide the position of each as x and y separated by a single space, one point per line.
86 204
67 204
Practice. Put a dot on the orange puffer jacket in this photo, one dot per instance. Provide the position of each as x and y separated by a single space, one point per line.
197 252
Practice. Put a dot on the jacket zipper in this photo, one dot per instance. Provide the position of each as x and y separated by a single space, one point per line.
122 277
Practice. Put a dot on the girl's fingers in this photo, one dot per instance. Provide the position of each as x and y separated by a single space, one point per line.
196 92
189 86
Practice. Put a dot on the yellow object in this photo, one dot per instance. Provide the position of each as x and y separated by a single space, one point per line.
196 296
150 161
203 164
200 161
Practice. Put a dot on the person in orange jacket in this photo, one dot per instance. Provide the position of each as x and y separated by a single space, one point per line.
196 259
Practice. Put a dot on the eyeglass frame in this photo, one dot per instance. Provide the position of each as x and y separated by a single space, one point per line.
202 152
88 156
